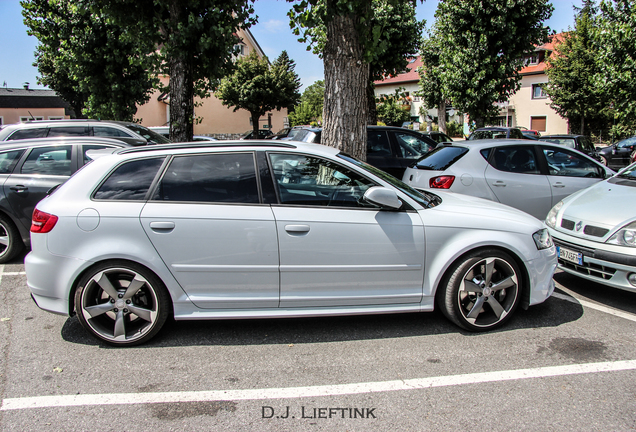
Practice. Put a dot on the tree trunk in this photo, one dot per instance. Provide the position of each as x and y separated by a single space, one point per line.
582 126
373 109
181 87
346 79
255 118
441 116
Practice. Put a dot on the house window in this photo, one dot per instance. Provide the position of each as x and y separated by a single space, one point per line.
241 49
56 118
533 59
416 98
538 92
538 123
30 118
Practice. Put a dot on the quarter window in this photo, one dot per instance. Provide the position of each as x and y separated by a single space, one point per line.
104 131
307 180
48 161
229 178
130 181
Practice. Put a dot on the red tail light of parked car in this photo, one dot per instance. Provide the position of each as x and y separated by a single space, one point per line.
441 182
42 222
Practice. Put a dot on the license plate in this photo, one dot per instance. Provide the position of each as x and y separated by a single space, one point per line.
570 255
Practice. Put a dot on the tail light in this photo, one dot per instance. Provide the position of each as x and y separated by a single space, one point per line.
42 222
441 182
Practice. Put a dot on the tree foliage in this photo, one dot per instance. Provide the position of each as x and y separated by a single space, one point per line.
616 35
572 70
482 49
258 87
196 40
310 108
431 89
392 108
101 69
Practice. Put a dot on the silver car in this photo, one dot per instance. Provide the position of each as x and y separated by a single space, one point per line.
595 231
255 229
528 175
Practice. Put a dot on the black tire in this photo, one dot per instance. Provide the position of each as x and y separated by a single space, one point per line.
481 290
603 160
116 314
10 240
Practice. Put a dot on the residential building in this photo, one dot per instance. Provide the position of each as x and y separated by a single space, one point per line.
216 119
22 105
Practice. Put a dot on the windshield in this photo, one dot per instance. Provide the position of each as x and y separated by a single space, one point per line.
627 142
487 134
150 135
568 142
629 172
425 199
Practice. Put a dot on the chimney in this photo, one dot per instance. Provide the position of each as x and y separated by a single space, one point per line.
26 85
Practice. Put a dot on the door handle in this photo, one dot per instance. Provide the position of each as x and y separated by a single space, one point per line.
297 229
558 185
499 183
19 188
162 226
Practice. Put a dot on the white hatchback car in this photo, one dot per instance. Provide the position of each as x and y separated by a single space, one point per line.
254 229
528 175
595 231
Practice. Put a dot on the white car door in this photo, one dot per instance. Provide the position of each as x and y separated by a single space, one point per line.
206 221
336 250
514 176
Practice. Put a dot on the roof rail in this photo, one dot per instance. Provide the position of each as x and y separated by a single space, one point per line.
213 144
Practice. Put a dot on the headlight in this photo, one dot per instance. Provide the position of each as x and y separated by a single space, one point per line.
625 236
542 239
550 220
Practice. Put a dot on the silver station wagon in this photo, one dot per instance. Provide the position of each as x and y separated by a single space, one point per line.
264 229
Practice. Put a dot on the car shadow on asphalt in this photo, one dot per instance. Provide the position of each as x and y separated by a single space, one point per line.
552 313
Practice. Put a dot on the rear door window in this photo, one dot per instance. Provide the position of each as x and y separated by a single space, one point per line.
130 181
68 131
53 160
213 178
378 143
515 159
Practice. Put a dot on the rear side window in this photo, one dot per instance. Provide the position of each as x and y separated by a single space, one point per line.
210 178
515 159
130 181
8 160
378 144
441 159
48 161
68 131
28 134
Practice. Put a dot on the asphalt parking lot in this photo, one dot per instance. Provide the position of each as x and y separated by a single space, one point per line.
568 364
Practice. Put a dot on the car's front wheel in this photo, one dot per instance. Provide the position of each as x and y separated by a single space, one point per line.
481 290
122 303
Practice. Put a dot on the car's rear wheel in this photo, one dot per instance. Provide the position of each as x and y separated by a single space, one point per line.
603 160
122 303
10 241
481 290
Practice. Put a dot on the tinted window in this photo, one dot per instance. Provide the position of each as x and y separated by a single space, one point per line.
516 133
150 135
68 131
28 133
569 164
586 144
87 147
567 142
487 134
627 142
48 161
312 181
411 146
210 178
105 131
441 158
130 181
378 143
517 159
8 160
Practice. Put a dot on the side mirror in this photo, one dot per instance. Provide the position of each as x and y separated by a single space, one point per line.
383 197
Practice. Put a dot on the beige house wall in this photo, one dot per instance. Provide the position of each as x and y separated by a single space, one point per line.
12 115
216 119
525 107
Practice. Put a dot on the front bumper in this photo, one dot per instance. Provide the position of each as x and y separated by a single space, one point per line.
601 266
541 271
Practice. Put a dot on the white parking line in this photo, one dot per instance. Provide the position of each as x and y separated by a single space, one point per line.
312 391
601 308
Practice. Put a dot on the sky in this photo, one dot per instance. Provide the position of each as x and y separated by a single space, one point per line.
272 33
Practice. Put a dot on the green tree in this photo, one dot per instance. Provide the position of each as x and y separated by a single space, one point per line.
391 108
101 69
431 89
572 70
616 34
258 87
482 49
314 97
196 40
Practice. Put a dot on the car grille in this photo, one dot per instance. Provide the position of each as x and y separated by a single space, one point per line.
589 269
589 229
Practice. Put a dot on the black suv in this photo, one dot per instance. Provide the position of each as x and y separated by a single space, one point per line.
392 149
30 169
131 133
